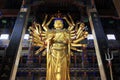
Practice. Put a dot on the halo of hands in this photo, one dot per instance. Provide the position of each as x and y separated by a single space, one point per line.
76 31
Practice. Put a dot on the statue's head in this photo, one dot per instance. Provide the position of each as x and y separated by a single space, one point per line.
58 23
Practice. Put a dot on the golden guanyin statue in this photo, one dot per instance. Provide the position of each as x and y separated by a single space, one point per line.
57 44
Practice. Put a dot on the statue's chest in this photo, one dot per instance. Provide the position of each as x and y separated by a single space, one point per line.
60 36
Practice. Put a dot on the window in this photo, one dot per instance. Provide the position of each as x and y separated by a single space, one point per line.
111 37
26 36
90 37
4 36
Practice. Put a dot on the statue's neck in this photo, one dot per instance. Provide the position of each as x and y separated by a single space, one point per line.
58 28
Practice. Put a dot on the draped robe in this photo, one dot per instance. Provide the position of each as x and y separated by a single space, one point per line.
58 55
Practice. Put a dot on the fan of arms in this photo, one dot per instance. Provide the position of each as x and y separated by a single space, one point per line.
76 31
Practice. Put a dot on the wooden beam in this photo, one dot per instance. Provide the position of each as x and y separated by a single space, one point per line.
100 42
12 54
9 12
117 6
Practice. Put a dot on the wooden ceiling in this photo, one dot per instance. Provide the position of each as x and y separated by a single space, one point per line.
64 6
105 7
77 7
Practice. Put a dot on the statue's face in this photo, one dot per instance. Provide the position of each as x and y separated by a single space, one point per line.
58 24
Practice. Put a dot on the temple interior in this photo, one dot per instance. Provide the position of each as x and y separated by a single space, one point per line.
100 60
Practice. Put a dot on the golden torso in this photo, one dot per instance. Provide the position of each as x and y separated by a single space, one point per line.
59 54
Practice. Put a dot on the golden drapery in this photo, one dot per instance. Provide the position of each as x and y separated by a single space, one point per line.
58 56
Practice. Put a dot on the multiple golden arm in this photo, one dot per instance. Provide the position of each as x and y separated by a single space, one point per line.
37 36
81 38
44 24
71 24
77 34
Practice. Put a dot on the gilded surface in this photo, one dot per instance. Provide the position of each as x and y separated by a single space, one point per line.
57 44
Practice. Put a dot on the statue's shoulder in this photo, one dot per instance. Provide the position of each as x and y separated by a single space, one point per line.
49 32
